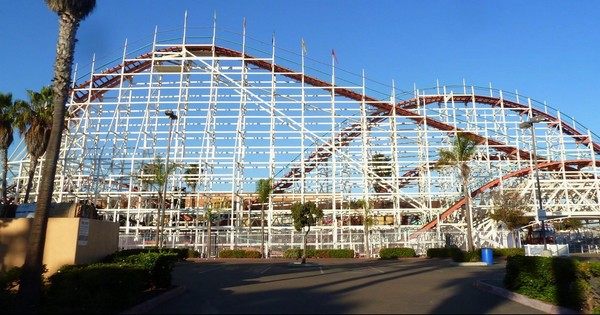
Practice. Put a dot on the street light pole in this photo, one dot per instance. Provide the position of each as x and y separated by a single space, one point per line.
541 214
159 237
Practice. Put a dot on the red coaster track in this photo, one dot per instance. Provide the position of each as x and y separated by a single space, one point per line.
522 172
98 85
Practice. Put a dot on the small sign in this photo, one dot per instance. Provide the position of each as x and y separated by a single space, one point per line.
25 210
84 231
542 215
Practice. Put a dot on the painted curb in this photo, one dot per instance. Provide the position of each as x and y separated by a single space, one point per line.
472 263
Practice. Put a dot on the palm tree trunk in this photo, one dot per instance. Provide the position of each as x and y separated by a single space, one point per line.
30 174
262 230
209 235
159 219
4 173
30 290
193 196
4 205
366 232
468 214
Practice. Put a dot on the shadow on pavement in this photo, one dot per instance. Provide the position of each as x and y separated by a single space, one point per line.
335 286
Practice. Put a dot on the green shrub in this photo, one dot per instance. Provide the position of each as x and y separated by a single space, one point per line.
461 256
193 253
591 273
9 282
341 253
457 254
507 252
296 253
320 253
239 253
293 253
181 253
396 252
95 288
10 279
110 286
159 266
443 252
557 280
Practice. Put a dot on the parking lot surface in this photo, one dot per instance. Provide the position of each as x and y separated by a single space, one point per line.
336 286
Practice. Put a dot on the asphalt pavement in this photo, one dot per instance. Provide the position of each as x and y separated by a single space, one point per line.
340 286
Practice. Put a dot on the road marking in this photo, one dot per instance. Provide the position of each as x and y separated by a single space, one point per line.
376 269
265 270
209 270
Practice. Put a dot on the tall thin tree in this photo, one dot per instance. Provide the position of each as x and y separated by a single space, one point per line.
192 173
7 114
155 175
70 13
34 121
264 188
509 207
367 221
305 215
461 152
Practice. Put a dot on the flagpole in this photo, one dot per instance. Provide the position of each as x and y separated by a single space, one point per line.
302 134
244 34
332 68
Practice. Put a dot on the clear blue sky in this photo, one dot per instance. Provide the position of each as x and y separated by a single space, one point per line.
547 50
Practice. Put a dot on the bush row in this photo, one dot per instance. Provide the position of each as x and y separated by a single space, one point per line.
181 253
118 282
239 253
296 253
396 252
112 285
561 281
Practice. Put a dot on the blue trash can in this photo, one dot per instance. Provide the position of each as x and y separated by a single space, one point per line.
487 256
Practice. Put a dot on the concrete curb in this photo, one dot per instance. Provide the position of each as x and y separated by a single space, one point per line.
522 299
470 263
152 303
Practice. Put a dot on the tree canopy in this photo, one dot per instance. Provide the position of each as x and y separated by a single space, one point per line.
305 215
380 165
509 207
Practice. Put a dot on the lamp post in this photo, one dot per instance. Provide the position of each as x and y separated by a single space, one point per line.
172 117
541 214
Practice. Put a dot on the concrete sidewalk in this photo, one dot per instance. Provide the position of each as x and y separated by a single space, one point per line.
340 286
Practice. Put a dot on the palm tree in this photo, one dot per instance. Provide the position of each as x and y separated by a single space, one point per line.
191 179
571 224
70 13
367 221
7 114
264 188
461 152
305 215
380 165
155 174
34 120
208 213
